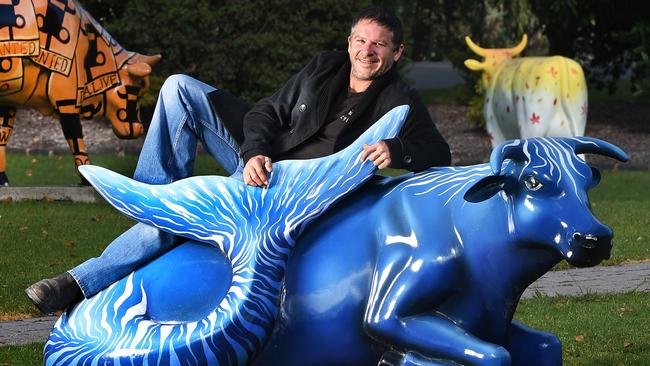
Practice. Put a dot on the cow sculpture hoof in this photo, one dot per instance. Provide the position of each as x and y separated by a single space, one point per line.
421 269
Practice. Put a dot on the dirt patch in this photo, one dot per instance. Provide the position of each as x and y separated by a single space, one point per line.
623 124
36 133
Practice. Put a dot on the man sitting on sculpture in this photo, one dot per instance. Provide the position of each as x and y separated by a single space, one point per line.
320 110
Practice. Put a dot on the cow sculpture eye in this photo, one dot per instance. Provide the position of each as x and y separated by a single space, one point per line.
532 183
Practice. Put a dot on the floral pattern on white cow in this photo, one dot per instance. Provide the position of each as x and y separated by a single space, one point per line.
530 96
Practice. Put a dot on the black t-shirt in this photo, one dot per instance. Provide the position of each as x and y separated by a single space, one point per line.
322 142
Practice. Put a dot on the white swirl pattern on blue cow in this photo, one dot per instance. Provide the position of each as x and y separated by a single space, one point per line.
555 154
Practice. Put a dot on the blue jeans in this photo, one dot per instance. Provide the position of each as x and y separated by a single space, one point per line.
183 117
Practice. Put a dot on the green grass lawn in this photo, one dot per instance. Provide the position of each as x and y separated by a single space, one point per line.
58 170
458 95
29 355
42 239
594 330
623 93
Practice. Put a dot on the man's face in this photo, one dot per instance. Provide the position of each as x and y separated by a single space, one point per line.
371 50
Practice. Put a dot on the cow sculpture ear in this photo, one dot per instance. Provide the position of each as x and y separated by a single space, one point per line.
474 65
595 177
485 188
140 69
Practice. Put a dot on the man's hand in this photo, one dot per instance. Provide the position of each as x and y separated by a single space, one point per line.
378 153
254 171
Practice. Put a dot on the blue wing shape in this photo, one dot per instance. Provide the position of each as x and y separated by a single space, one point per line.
212 208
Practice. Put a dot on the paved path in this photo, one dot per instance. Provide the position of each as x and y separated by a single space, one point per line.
605 279
615 279
25 331
72 193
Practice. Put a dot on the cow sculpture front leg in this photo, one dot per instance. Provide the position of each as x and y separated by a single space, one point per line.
528 346
73 133
397 294
7 117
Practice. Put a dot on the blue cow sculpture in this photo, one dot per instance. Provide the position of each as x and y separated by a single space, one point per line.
422 269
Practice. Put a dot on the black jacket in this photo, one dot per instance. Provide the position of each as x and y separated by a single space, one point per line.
299 109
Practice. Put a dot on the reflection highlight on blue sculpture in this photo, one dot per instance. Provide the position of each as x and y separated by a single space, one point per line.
421 269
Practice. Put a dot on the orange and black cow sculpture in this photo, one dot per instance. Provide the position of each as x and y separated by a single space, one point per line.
55 57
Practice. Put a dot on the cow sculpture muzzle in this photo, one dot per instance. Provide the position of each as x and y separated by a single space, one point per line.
589 249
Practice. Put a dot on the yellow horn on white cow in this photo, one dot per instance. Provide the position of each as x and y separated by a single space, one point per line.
520 47
474 47
140 69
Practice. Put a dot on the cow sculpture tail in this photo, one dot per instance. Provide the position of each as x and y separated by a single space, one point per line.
255 229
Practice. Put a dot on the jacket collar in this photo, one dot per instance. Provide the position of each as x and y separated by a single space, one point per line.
370 95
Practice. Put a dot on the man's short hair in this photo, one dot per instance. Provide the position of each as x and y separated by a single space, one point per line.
384 17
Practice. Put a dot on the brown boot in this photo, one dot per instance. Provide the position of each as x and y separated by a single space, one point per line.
54 294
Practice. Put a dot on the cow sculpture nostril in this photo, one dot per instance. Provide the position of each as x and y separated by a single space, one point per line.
588 241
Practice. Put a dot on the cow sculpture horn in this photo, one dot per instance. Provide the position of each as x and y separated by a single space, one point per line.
590 145
581 145
520 47
514 51
474 47
507 150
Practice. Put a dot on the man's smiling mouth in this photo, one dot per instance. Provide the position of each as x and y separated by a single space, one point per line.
368 62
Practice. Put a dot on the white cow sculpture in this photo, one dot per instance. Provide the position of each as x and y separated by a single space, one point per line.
530 96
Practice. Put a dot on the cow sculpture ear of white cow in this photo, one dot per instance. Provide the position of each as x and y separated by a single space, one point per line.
485 188
474 65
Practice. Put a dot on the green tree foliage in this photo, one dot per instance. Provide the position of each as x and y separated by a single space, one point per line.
437 30
252 47
104 10
247 47
610 38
